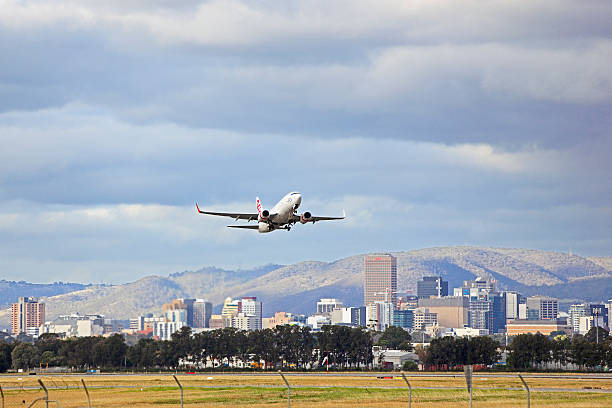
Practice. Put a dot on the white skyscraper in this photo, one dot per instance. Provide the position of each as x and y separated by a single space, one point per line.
251 307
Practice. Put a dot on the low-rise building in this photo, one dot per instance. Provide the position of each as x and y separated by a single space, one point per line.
545 327
452 311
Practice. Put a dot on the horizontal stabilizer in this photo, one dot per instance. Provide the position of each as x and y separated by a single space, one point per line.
244 226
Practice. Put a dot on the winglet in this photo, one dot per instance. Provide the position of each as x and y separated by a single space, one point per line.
200 211
343 213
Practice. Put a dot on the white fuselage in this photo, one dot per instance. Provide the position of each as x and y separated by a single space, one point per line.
282 212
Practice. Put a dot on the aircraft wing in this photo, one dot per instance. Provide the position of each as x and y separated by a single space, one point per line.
236 216
313 219
244 226
326 218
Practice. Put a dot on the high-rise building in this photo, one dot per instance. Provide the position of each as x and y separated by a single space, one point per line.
27 313
380 315
576 312
328 305
487 307
380 279
542 308
202 310
512 299
176 315
600 313
252 308
231 308
432 286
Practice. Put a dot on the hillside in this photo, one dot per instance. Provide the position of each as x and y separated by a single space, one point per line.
296 288
10 291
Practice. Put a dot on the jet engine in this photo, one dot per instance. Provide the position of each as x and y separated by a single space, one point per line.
306 217
265 227
264 215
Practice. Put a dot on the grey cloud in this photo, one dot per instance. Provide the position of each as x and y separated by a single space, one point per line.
432 123
439 76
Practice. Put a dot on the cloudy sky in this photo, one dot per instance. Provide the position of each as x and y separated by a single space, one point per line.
431 123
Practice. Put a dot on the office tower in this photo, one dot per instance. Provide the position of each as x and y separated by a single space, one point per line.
600 313
487 307
175 305
576 312
610 313
452 311
403 318
202 310
380 283
512 299
176 315
432 286
231 308
251 308
27 313
380 315
542 308
327 305
498 313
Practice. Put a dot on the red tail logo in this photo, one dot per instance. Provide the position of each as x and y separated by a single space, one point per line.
258 206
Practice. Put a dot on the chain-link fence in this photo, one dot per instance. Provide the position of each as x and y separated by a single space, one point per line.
306 390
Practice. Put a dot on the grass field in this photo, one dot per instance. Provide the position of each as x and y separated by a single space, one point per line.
309 391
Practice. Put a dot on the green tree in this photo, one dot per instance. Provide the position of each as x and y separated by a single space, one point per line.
528 350
596 335
5 356
561 346
25 356
182 342
144 354
395 338
482 350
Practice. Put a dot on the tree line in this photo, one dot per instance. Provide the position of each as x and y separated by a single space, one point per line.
448 353
298 347
592 351
284 346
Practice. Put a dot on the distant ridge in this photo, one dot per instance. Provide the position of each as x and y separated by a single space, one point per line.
296 288
10 291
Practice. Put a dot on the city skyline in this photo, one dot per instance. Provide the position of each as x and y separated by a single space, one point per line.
430 130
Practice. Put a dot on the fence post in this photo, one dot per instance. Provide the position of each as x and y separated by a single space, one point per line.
288 389
468 370
528 392
2 394
46 392
409 390
181 387
86 393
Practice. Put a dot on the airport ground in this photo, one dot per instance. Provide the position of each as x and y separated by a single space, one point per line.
310 390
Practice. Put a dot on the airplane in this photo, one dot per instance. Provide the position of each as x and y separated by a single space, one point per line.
282 216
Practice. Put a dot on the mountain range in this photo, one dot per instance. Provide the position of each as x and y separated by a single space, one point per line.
296 288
